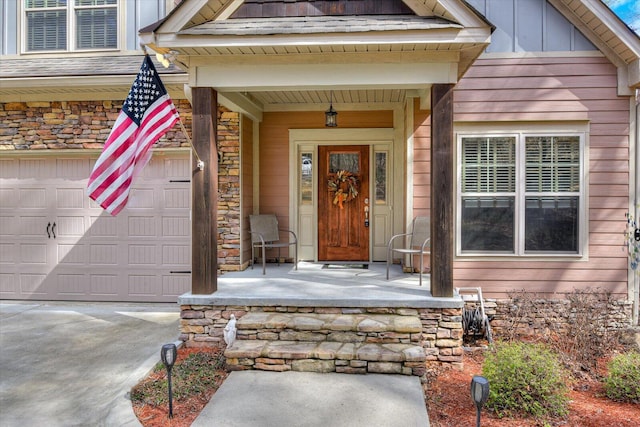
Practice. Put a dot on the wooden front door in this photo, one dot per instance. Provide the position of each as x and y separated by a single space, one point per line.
343 203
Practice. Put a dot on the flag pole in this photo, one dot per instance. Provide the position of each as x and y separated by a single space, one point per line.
200 163
184 130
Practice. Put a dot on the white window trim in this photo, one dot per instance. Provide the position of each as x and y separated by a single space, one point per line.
520 131
71 31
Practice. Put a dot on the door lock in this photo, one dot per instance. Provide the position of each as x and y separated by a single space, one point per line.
366 216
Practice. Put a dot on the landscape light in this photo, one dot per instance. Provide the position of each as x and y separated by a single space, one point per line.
479 394
168 355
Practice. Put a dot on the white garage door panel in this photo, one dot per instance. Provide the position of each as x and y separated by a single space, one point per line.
57 244
8 284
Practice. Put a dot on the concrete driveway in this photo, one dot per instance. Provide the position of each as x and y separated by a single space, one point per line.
72 364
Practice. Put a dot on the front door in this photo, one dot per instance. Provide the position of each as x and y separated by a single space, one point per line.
343 203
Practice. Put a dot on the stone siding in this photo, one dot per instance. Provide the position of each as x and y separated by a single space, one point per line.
545 315
60 125
85 125
229 215
441 336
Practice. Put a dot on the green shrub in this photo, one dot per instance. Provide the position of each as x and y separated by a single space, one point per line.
525 378
622 383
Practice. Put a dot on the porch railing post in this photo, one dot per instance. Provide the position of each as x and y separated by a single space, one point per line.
442 190
204 202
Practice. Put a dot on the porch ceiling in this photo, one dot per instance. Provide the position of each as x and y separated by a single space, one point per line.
318 100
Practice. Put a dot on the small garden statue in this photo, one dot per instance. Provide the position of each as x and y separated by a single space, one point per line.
230 331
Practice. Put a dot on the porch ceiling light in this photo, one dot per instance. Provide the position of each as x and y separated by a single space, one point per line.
331 115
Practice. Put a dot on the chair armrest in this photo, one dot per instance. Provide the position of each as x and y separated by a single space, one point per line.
295 238
390 244
259 235
425 243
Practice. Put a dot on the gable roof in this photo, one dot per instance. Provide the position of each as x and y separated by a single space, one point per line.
317 25
213 18
609 33
199 28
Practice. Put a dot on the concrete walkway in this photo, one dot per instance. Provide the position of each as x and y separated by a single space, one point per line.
72 364
304 399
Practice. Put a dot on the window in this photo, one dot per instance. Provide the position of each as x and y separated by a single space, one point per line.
306 178
520 194
66 25
381 177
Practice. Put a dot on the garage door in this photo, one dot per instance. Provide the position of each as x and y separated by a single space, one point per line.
57 244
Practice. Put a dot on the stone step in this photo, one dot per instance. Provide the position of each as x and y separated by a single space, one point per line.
354 328
359 358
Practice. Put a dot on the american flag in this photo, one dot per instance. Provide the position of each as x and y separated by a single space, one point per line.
147 114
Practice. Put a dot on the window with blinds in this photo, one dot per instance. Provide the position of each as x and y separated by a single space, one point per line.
552 187
66 25
520 194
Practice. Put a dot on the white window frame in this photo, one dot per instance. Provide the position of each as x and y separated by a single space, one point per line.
70 8
520 132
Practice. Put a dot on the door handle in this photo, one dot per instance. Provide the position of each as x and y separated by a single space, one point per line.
48 232
366 216
53 230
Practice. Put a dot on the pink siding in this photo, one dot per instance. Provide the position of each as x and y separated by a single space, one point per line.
540 89
421 161
274 151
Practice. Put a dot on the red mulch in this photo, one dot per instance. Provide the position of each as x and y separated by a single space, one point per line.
448 401
184 411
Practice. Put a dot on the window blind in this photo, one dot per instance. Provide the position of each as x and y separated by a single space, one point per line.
552 164
47 24
489 165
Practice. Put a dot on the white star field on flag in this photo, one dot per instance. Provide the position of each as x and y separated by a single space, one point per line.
145 91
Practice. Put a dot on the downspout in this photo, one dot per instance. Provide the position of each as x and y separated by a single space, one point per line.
636 203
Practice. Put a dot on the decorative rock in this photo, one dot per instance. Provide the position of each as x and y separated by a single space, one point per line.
307 323
327 350
290 349
244 348
346 337
407 324
350 370
384 368
301 336
276 368
371 325
312 365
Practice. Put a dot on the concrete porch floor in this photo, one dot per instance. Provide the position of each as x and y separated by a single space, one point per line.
318 284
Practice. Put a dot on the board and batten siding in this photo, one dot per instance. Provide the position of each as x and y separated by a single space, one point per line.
274 151
554 89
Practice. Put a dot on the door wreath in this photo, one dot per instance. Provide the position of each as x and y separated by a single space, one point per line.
344 185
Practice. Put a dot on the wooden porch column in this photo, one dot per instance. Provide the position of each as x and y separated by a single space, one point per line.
204 198
442 190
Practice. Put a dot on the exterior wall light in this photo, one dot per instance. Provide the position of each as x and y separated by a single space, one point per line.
331 115
168 355
479 394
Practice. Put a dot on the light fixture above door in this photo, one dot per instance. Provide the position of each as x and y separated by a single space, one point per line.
331 115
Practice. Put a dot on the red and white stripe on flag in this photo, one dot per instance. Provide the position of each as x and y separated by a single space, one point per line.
146 115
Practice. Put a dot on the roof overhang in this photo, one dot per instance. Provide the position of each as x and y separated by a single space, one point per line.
79 78
614 39
373 52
